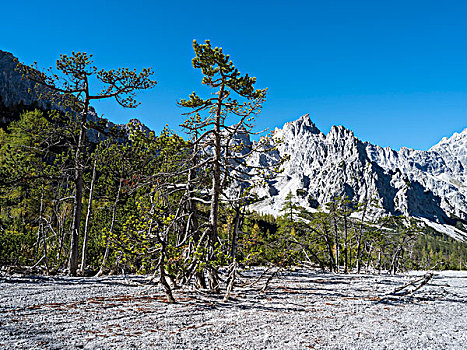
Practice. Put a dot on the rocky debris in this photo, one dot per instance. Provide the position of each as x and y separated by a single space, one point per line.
300 309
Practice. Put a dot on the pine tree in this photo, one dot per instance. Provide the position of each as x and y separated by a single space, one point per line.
214 141
70 91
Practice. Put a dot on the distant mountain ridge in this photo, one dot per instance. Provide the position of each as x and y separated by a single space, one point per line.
426 184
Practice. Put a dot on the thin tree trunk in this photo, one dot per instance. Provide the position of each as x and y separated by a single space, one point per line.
163 280
369 252
231 282
41 232
394 260
331 255
88 219
359 253
345 243
78 201
60 223
379 261
215 192
336 242
359 237
234 243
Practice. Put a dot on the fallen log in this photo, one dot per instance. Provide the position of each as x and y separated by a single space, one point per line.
417 284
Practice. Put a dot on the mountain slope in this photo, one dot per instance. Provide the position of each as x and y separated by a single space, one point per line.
17 95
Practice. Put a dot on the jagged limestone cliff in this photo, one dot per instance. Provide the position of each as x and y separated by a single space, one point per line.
426 184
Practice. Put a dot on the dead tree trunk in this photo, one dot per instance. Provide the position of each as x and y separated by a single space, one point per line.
88 219
234 243
346 248
41 236
332 265
336 244
403 290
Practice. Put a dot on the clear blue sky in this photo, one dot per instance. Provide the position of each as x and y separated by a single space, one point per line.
395 72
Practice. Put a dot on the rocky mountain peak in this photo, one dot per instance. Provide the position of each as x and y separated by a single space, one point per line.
339 132
457 137
454 149
301 125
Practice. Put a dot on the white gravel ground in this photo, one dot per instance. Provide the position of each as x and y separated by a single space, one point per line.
300 310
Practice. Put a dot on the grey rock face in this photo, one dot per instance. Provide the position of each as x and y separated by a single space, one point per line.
427 184
16 91
13 90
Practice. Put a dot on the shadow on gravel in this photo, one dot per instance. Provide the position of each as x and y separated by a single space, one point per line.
133 281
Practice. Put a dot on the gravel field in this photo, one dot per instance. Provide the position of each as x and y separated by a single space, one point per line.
300 309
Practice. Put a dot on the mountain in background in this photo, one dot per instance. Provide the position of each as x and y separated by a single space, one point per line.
430 185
